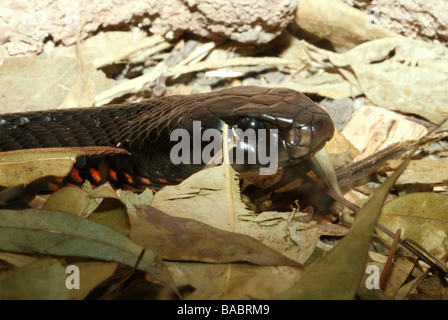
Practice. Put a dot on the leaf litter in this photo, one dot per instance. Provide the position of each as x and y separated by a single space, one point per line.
273 245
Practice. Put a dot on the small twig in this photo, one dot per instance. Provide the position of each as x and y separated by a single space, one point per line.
227 167
390 257
226 163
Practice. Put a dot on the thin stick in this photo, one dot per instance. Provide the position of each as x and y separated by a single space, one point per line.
226 163
388 264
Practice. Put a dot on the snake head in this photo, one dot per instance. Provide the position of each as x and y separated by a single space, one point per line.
300 141
297 126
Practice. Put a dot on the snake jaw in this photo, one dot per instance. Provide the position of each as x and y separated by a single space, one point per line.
323 130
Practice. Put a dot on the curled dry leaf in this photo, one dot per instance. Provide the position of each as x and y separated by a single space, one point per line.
115 46
111 212
15 259
404 75
71 200
107 210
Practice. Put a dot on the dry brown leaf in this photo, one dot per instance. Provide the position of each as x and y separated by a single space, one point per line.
330 85
41 84
322 18
111 211
71 200
422 171
174 238
240 282
91 274
399 272
422 217
372 129
31 281
404 75
116 47
203 197
130 86
340 150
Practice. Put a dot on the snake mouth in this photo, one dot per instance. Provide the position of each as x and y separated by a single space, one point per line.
302 142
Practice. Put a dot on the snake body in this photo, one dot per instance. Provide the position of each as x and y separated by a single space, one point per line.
144 130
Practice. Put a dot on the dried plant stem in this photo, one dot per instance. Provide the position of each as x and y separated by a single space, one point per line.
226 163
391 255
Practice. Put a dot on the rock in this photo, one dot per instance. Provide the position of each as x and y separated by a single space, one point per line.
29 24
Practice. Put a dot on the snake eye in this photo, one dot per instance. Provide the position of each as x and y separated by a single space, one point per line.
298 136
250 123
249 130
294 137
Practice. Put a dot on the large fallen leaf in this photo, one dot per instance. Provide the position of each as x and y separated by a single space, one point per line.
71 200
400 271
205 196
176 238
372 129
235 281
422 217
91 274
322 18
404 75
111 212
337 275
41 84
15 259
43 280
424 171
115 47
24 166
64 234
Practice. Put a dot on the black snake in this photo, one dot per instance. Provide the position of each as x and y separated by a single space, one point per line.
144 130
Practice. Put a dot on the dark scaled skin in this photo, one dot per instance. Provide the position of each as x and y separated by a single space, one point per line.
144 129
